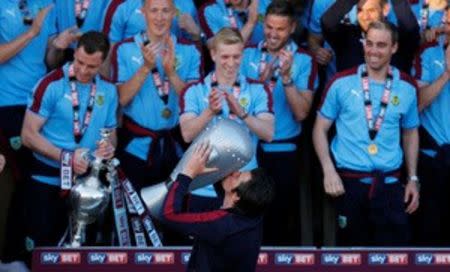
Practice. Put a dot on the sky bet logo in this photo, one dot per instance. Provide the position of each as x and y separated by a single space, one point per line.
294 259
60 258
433 258
341 259
388 259
107 258
154 258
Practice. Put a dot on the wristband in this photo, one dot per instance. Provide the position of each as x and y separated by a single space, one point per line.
243 116
289 83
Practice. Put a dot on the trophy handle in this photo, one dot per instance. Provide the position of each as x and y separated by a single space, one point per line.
80 229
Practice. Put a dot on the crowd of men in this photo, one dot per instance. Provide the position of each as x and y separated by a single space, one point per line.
157 72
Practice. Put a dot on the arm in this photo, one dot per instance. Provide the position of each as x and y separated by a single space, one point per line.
321 54
409 34
261 125
130 88
56 46
331 180
429 92
169 67
11 49
410 140
333 16
191 125
299 102
209 226
33 139
247 29
407 22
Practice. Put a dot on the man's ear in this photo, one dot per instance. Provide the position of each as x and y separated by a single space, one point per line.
212 53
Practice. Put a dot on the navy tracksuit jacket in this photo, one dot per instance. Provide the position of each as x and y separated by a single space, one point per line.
225 240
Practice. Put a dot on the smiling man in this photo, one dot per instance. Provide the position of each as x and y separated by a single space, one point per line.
226 94
151 69
347 39
291 75
69 107
372 105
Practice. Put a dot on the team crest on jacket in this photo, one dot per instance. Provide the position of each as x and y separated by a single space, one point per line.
395 100
243 102
100 100
15 142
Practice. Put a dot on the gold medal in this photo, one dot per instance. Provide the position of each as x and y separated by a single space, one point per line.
372 149
166 113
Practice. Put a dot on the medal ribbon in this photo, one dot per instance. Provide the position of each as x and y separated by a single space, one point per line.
424 13
264 60
120 213
26 14
134 200
66 172
81 7
374 128
162 86
77 130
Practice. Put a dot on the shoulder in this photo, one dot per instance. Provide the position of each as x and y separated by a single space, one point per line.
188 45
193 88
427 47
52 77
115 5
343 76
251 49
208 6
122 47
124 43
44 85
408 81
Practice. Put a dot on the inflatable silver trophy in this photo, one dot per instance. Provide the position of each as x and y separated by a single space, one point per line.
232 149
88 197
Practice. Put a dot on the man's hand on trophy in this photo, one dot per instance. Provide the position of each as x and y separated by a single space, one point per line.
105 150
196 163
80 162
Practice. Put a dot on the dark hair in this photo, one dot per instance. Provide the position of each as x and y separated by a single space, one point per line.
256 194
385 25
282 8
381 2
94 41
